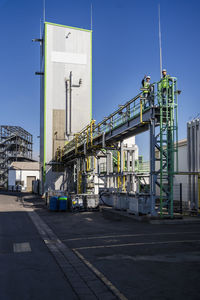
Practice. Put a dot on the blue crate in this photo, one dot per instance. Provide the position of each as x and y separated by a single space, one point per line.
53 203
62 203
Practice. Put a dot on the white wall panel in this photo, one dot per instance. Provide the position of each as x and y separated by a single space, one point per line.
67 50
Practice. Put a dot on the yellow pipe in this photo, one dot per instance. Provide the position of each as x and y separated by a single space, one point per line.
118 182
91 131
118 169
124 182
88 164
124 161
79 182
76 143
124 178
91 136
141 119
87 137
141 111
118 161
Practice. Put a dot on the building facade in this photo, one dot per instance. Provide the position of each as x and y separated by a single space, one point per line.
22 174
66 93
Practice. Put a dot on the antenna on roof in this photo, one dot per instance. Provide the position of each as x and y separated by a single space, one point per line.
40 28
91 15
160 45
44 10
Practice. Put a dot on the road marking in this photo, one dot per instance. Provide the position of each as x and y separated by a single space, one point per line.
136 244
176 257
81 278
21 247
128 235
101 276
88 219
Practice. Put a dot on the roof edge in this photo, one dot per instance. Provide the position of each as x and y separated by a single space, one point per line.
66 26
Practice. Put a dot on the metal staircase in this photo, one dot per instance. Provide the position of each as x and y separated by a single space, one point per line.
166 142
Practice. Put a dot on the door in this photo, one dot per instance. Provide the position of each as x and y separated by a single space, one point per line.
30 179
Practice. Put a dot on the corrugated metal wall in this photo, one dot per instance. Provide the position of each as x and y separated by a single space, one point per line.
193 137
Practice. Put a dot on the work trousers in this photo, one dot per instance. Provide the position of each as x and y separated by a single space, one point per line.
147 100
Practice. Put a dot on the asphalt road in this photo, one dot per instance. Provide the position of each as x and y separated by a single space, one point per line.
110 257
27 269
142 260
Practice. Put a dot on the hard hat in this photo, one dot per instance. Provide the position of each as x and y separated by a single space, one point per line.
164 70
149 77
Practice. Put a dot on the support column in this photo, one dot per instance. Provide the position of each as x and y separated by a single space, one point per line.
128 160
78 169
121 156
152 167
107 169
133 171
121 161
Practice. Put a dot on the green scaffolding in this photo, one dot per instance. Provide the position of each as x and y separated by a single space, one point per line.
167 141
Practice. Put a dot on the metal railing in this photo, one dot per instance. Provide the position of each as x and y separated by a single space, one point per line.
126 112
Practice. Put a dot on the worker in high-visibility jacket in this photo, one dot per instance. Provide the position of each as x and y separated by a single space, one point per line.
165 86
146 87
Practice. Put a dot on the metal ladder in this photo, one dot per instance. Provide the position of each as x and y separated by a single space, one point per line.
167 143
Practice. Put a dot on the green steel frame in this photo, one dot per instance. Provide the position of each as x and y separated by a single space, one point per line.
167 142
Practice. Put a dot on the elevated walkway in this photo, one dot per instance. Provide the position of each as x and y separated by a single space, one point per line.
158 114
129 120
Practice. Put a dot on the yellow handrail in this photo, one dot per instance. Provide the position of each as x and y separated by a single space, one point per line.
76 142
118 169
141 107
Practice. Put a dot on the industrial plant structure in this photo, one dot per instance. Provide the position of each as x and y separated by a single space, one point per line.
85 158
15 145
123 183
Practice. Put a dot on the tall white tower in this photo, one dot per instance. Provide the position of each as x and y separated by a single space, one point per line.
66 92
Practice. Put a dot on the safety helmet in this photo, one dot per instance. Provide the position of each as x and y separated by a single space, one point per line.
164 70
148 77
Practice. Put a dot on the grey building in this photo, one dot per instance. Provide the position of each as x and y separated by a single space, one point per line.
66 93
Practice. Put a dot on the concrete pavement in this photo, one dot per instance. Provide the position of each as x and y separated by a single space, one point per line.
93 255
28 270
142 260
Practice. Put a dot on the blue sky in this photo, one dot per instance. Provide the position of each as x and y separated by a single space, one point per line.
125 47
